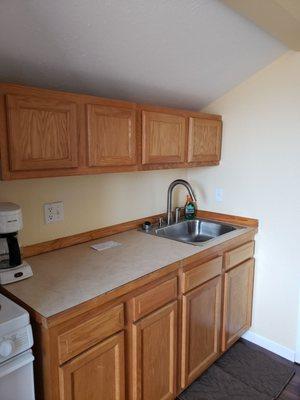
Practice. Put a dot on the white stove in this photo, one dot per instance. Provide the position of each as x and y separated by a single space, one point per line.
16 359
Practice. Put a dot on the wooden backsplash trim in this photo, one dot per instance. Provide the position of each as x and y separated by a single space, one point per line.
83 237
230 219
67 241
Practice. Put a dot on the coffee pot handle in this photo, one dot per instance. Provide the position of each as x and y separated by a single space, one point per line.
14 251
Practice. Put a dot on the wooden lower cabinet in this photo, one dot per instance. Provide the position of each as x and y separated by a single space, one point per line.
237 307
152 341
200 329
154 355
96 374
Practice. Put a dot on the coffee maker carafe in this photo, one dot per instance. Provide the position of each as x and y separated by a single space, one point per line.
11 266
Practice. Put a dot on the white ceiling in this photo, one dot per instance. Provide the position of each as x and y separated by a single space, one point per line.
169 52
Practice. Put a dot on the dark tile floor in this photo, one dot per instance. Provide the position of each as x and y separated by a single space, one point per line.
292 391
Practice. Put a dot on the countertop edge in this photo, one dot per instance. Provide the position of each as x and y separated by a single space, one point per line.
119 291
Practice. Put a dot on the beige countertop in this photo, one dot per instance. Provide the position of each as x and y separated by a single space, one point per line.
67 277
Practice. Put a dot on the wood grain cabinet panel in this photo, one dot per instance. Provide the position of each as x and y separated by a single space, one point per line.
237 308
89 332
238 255
154 355
154 298
97 374
163 138
204 140
111 136
204 272
42 133
200 329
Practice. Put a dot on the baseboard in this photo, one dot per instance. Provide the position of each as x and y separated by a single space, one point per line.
270 345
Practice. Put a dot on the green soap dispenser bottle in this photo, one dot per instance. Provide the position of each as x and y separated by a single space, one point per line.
189 208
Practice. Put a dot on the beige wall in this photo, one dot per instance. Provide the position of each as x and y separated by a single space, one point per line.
90 202
259 173
260 176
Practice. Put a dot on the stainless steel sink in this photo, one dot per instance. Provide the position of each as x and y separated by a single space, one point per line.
195 231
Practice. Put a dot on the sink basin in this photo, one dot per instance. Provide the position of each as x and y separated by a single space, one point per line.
195 231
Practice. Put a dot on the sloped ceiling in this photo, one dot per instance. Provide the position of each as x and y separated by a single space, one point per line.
281 18
168 52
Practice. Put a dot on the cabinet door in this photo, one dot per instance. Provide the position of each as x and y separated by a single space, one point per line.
237 302
163 138
111 136
200 329
96 374
154 355
42 133
204 140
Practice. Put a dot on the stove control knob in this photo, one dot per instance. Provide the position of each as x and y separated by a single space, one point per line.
6 348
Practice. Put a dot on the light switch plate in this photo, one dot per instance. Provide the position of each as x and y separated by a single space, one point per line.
219 194
54 212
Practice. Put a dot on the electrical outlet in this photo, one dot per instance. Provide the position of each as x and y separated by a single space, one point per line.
54 212
219 194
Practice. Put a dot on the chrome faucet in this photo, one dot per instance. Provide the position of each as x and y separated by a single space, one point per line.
170 193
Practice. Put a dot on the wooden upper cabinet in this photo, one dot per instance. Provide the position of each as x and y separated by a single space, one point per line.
163 138
205 137
46 133
154 355
200 329
111 136
42 133
237 312
96 374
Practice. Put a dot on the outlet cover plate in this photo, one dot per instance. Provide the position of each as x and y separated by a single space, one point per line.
54 212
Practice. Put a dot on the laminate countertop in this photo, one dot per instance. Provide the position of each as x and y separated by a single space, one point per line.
67 277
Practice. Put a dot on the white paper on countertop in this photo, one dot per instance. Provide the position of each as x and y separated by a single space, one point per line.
105 245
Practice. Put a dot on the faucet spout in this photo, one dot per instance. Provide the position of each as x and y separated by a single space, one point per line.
170 194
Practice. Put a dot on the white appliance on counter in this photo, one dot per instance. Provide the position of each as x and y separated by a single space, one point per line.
12 267
16 359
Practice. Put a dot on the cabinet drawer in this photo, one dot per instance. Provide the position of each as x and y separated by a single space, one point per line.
238 255
201 274
154 298
90 332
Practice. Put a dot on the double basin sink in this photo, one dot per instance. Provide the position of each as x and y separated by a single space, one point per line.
196 231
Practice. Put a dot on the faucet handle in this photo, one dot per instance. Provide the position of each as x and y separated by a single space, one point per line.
177 214
160 222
